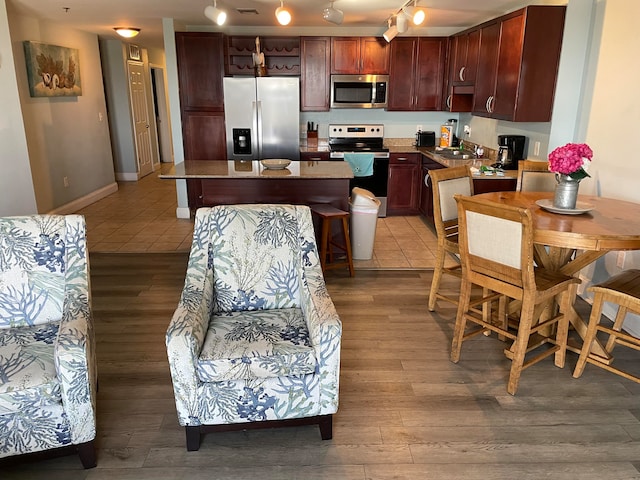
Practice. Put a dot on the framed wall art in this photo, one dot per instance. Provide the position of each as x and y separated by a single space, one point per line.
134 52
52 71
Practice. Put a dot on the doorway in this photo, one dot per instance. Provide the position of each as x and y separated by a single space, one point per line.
162 114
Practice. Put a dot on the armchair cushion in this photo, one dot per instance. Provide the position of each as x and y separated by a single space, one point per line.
256 263
27 369
256 344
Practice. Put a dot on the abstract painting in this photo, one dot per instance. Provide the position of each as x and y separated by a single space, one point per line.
52 71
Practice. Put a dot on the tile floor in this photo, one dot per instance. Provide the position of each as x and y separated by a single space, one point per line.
140 217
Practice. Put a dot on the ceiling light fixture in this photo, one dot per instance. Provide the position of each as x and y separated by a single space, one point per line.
127 32
283 14
391 32
214 14
333 15
416 14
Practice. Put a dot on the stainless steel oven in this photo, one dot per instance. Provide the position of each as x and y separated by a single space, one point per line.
345 138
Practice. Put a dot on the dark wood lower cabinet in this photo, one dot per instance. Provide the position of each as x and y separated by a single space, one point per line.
403 195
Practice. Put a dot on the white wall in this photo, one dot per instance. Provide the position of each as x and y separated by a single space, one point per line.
18 197
67 136
612 120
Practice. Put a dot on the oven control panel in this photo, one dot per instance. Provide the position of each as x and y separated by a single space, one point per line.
356 131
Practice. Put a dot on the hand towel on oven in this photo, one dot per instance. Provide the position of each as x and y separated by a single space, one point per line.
360 163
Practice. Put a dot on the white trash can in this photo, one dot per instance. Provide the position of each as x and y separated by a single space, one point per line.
363 207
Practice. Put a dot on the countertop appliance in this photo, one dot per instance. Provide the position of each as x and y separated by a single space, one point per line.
511 149
345 138
359 91
425 139
262 117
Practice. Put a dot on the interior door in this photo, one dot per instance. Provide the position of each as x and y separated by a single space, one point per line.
140 111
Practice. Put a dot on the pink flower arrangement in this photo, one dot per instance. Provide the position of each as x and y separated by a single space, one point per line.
572 159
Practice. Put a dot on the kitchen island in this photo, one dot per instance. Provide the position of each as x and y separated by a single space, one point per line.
227 182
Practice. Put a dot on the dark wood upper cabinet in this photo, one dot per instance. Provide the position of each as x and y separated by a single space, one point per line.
465 57
200 58
487 66
315 65
355 55
519 65
416 73
200 66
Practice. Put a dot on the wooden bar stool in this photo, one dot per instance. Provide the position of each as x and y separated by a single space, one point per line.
327 213
624 290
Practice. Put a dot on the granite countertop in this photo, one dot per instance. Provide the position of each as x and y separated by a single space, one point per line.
406 145
254 169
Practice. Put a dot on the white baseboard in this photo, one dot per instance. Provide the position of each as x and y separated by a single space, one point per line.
127 177
85 201
182 212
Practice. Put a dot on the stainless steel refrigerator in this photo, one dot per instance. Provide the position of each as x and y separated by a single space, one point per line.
262 117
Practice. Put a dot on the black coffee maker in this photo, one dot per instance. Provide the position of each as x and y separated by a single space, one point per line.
510 150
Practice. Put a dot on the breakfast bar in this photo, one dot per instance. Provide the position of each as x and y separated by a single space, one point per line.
222 182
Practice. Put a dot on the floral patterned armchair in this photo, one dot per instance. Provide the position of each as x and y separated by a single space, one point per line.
255 338
47 354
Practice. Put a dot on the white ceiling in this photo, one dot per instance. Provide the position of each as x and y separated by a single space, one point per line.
360 16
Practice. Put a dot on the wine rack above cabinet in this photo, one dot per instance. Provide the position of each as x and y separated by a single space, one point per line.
281 55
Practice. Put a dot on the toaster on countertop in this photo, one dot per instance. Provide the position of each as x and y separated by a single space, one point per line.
425 139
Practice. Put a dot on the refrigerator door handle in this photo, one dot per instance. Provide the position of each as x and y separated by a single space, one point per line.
255 139
259 127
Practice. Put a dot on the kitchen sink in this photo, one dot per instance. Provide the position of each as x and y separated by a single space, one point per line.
455 154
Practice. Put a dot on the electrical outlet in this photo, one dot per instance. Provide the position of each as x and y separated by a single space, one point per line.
536 149
467 129
418 128
65 181
620 259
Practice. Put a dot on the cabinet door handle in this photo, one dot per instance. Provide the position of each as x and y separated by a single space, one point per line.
486 105
449 102
461 74
491 104
426 179
402 159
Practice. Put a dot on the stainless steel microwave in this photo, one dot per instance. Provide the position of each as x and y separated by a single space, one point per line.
359 91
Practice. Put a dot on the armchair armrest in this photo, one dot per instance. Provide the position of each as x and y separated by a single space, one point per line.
74 355
184 340
325 332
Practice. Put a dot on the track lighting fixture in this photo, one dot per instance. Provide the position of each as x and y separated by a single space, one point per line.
416 14
214 14
127 32
333 15
283 14
402 22
391 32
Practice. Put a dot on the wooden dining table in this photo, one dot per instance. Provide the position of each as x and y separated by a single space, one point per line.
570 242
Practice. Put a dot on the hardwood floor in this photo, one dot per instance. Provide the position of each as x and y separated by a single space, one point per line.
406 412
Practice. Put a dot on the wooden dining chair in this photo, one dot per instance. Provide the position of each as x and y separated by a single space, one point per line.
534 176
445 183
508 270
623 290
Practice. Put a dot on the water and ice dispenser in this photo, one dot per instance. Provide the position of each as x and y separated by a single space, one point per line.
242 141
